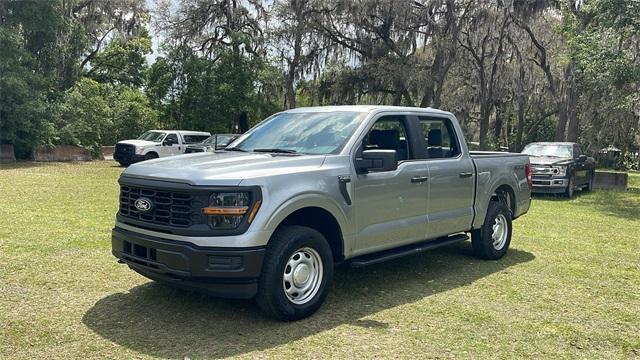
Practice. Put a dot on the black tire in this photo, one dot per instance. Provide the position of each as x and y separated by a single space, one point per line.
283 246
150 156
570 187
589 187
482 241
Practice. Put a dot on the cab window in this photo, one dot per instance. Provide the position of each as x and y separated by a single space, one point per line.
194 139
389 133
439 137
171 139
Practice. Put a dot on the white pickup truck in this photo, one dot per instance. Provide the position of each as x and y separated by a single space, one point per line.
156 143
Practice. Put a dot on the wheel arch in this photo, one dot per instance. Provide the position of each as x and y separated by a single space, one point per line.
324 218
505 193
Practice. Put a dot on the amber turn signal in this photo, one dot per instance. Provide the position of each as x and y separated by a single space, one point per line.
240 210
253 212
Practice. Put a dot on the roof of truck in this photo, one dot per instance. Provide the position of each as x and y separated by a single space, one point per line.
183 131
553 143
364 108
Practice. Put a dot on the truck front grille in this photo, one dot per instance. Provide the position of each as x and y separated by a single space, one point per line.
167 207
124 151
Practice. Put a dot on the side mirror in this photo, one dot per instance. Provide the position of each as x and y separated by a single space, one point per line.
582 158
376 160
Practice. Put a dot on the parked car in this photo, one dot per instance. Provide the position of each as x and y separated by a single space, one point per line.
156 143
560 168
309 188
212 143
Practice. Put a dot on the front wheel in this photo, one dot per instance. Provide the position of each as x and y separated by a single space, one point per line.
492 240
296 274
591 180
150 156
570 188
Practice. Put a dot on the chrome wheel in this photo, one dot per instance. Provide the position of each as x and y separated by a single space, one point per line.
500 232
302 275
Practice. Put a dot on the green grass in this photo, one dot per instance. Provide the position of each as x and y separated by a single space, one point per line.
569 287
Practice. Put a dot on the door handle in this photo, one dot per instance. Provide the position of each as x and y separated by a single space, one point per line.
465 174
419 179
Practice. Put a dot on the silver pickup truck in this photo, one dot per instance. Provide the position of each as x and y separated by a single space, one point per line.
272 214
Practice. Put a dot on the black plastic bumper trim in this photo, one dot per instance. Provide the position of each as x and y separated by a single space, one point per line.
190 266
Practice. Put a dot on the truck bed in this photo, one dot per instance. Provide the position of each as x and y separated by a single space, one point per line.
485 154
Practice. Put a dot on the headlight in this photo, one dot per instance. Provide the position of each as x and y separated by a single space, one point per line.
558 170
228 210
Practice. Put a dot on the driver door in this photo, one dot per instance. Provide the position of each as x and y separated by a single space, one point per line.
172 145
390 207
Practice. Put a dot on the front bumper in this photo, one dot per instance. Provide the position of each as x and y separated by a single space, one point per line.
223 272
127 158
549 185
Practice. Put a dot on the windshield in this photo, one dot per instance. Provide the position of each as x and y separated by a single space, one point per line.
554 150
154 136
308 133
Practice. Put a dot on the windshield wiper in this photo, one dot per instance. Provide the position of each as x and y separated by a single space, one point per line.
283 151
234 149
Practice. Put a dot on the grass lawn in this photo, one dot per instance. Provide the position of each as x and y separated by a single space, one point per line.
569 287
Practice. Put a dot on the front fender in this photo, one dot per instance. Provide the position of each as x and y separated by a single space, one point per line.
305 200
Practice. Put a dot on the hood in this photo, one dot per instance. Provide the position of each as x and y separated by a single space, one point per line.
222 168
548 160
137 142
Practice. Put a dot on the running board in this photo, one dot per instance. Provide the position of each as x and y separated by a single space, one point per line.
375 258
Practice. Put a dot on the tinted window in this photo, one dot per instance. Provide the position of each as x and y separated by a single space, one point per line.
192 139
389 133
171 139
439 137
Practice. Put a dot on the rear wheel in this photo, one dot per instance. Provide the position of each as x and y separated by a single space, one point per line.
492 241
296 274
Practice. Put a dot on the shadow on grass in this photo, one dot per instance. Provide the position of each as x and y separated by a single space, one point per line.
622 204
164 322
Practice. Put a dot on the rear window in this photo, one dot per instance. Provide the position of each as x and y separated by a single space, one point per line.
193 139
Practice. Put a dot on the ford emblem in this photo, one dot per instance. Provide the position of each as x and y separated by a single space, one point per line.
143 205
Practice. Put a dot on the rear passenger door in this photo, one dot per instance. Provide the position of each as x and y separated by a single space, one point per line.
451 178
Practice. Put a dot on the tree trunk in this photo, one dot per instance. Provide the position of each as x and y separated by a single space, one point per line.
291 91
573 130
497 131
520 125
485 113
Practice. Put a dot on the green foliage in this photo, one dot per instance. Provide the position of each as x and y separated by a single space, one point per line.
24 119
132 115
122 62
84 116
92 114
199 93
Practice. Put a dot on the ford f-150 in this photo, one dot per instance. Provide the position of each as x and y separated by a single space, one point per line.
272 214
